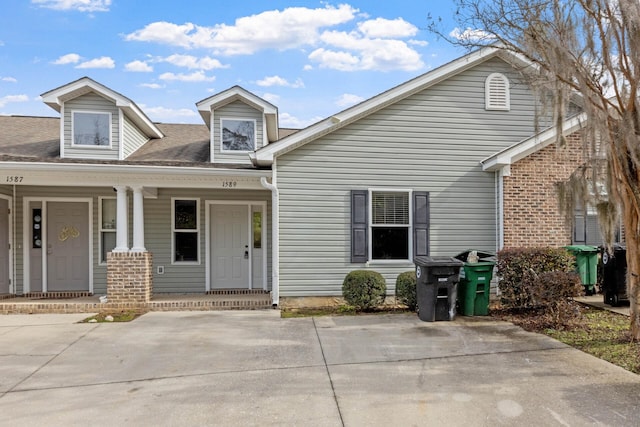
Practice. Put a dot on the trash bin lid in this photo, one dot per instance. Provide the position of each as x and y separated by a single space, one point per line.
581 248
437 261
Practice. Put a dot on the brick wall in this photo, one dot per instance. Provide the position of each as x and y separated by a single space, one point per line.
129 277
531 214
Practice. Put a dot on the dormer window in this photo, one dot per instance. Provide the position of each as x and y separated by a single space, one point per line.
497 95
238 135
91 129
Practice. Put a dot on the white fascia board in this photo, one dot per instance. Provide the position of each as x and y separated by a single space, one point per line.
265 155
530 145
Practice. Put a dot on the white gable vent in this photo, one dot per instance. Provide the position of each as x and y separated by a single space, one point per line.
497 92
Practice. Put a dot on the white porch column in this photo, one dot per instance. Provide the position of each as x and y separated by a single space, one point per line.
138 220
122 229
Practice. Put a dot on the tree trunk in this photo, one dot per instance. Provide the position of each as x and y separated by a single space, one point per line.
633 266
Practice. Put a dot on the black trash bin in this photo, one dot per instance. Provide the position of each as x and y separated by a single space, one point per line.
613 270
436 287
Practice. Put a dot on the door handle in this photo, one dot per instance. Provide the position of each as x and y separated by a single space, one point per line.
246 252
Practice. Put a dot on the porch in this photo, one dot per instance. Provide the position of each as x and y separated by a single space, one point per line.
83 302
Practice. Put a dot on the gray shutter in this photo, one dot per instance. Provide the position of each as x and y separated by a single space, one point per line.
359 226
420 223
579 228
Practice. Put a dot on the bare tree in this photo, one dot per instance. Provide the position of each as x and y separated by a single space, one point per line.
584 51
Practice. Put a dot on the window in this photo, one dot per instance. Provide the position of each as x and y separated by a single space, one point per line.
497 95
91 129
185 230
257 230
238 135
389 227
107 227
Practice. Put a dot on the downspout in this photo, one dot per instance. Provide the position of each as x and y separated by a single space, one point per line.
500 176
275 239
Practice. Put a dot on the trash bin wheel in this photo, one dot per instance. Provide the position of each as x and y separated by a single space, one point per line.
615 299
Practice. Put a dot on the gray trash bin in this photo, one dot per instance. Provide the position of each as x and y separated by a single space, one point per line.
436 287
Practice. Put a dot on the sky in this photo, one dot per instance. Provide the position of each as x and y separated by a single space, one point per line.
311 59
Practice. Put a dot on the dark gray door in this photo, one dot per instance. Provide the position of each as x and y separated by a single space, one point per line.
67 246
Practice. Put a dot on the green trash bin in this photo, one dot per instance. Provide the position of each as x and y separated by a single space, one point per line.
475 284
586 265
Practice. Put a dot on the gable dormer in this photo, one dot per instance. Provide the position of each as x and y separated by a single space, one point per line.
97 122
239 123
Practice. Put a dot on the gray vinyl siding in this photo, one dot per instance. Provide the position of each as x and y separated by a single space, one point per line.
186 278
235 110
132 138
91 103
432 141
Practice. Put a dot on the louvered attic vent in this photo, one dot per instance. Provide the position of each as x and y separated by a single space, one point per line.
497 92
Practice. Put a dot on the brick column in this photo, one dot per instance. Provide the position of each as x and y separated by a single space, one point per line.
129 278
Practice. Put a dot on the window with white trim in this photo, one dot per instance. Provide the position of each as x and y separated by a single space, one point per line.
91 129
497 96
390 225
107 226
185 227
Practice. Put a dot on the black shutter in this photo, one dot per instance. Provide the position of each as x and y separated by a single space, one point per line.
420 223
359 226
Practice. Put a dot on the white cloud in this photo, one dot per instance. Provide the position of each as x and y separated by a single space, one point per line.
308 67
270 97
79 5
192 62
102 62
162 114
470 34
289 121
387 28
138 67
352 52
274 29
418 42
9 79
12 98
197 76
70 58
279 81
152 85
348 99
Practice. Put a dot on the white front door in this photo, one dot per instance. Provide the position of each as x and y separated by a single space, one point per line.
230 254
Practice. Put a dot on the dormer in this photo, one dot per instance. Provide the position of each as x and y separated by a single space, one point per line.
239 123
97 122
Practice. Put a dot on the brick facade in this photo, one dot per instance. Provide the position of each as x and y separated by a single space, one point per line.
129 278
531 214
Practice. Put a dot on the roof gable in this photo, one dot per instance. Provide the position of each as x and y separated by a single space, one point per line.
57 97
237 93
265 156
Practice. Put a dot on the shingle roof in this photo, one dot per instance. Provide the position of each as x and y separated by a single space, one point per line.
37 139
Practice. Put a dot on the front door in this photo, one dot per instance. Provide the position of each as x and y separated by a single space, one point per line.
4 246
67 246
230 254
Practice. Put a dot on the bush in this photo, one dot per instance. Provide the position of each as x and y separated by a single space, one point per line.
364 289
519 272
406 289
553 294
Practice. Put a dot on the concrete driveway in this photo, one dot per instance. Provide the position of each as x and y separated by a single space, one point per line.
253 368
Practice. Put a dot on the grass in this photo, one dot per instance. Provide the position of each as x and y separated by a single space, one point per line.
124 316
340 310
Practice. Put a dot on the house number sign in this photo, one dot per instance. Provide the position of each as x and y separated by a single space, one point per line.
13 179
229 184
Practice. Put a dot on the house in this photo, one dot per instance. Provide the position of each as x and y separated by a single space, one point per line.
101 200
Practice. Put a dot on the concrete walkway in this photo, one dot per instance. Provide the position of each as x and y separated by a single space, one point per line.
253 368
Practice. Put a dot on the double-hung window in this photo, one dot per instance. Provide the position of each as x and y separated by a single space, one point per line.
389 225
107 226
185 226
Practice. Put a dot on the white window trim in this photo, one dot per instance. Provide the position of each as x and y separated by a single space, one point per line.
92 147
174 231
409 193
242 119
488 105
101 228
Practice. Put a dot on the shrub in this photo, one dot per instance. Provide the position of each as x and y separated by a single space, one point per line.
406 289
364 289
519 270
553 294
